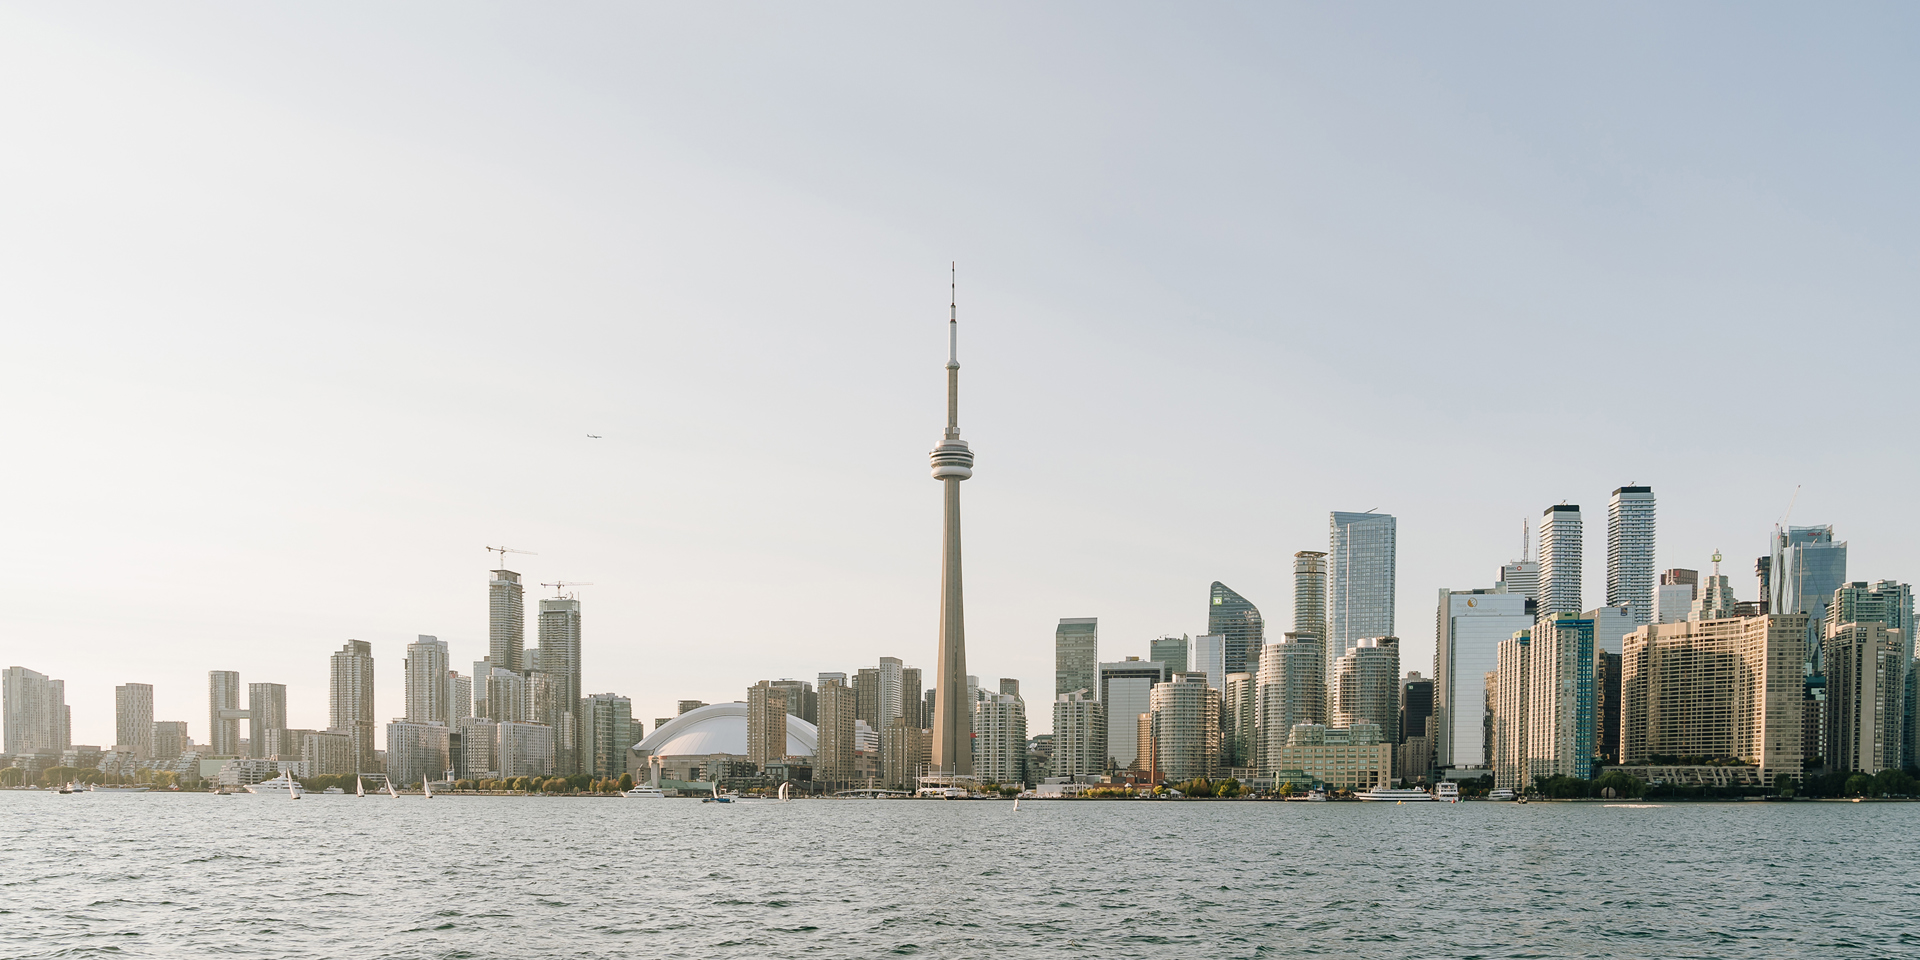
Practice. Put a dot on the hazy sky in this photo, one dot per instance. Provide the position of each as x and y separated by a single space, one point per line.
306 306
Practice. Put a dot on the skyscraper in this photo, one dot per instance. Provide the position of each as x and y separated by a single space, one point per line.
1731 688
913 692
224 713
506 620
766 724
1361 560
427 681
1560 553
1630 552
1866 680
1237 621
266 717
1076 654
461 703
35 710
1079 735
1416 705
560 659
1000 724
867 699
1562 705
802 702
1289 689
350 699
1520 577
1185 727
1125 690
1366 686
1470 626
952 462
1310 594
169 739
607 730
891 703
1210 658
417 752
1171 651
1808 566
1507 692
133 718
833 754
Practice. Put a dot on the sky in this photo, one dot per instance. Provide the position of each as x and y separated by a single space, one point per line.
305 306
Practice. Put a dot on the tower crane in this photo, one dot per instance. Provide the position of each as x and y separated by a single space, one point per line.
503 551
559 584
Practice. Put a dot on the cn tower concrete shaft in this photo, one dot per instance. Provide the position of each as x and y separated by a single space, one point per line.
952 714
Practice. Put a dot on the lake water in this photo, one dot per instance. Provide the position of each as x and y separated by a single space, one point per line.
154 875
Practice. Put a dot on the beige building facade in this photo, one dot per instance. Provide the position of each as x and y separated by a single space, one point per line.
1727 688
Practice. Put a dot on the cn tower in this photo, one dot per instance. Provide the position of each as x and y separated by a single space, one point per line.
952 463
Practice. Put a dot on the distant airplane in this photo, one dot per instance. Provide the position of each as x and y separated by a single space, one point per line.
596 436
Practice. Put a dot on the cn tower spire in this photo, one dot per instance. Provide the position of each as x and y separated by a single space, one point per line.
952 463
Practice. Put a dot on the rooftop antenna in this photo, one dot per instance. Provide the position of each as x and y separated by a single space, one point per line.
1524 530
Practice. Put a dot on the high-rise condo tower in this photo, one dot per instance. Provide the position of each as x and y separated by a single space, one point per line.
952 749
1360 580
1560 554
1630 552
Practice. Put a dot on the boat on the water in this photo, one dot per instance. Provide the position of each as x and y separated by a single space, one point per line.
645 792
282 784
1395 795
1501 793
104 788
1446 791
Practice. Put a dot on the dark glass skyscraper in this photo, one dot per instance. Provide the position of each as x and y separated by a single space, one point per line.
1232 616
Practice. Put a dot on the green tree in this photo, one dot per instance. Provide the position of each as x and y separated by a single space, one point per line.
1783 785
1858 785
626 782
12 777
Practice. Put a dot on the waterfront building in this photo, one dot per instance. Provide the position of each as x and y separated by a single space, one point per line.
1507 691
1310 594
350 699
1291 691
506 621
324 754
1125 690
416 751
1184 727
461 699
35 709
224 712
266 717
133 719
1890 604
1361 561
1630 541
833 763
1238 623
1866 682
1416 705
524 749
479 748
1521 577
560 639
1076 654
1469 627
952 748
1729 689
1171 651
1561 548
1079 735
1145 765
901 746
607 731
428 693
169 739
766 723
1562 708
1210 658
1239 713
1366 687
1611 626
1000 739
1341 758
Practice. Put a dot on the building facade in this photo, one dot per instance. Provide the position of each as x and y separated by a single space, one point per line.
1366 686
833 758
1310 594
1561 549
1171 651
1507 691
1361 562
1000 739
1866 684
1562 705
1076 654
1470 626
560 638
1126 691
224 712
266 717
1343 758
1185 727
350 699
506 621
416 752
35 711
766 724
133 719
1238 624
524 749
428 693
608 732
1079 735
1726 689
1291 690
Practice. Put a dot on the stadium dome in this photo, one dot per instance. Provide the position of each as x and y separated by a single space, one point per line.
720 728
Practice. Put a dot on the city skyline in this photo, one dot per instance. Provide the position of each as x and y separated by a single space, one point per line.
1316 243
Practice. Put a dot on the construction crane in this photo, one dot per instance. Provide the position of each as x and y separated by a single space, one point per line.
503 551
557 585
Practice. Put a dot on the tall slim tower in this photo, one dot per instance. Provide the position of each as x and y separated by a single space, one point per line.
350 699
133 718
506 620
223 712
1235 618
1630 552
1310 594
952 462
1076 655
427 681
1361 558
1560 550
560 659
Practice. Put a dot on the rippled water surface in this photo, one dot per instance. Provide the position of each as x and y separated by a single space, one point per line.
175 875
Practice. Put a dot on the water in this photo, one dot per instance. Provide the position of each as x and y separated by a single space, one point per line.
154 875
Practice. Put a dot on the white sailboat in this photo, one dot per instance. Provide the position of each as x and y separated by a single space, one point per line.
392 792
359 787
294 789
1016 804
783 792
426 785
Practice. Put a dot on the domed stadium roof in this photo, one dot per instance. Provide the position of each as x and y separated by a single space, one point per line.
720 728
